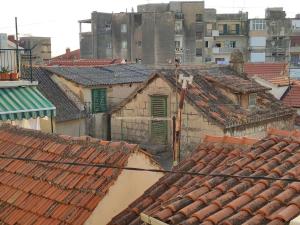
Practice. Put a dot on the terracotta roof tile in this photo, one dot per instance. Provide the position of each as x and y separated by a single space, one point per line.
267 71
206 93
230 201
33 193
292 96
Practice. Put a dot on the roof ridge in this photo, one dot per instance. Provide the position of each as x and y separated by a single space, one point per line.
85 139
230 140
285 133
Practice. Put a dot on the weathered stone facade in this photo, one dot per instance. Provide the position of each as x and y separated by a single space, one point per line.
132 122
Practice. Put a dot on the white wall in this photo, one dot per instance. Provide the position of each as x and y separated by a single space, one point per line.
257 42
257 57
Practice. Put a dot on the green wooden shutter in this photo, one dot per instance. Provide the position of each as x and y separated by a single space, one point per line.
99 100
159 129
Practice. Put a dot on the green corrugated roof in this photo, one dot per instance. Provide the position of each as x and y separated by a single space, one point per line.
24 103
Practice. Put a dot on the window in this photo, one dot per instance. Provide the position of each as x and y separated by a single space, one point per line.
206 44
139 44
124 44
108 45
258 24
177 44
237 28
218 45
199 35
99 100
198 52
199 17
209 29
159 129
178 26
107 26
124 28
232 44
252 99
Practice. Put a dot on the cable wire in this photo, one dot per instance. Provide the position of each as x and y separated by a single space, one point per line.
151 170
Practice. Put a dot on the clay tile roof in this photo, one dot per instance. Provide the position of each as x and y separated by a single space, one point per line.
237 84
184 199
292 96
230 140
267 71
211 101
35 193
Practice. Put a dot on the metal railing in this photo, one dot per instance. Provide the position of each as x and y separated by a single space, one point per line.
11 61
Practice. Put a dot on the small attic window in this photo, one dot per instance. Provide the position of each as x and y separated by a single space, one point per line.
252 99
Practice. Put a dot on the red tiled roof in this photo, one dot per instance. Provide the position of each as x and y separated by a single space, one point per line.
230 140
192 200
267 71
83 62
211 101
69 55
35 193
292 97
237 84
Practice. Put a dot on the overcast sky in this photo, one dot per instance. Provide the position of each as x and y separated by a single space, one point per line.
58 19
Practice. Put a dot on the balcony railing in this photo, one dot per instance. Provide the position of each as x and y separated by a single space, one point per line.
295 49
231 32
11 61
217 50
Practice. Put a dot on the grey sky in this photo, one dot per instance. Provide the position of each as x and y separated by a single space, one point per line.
58 19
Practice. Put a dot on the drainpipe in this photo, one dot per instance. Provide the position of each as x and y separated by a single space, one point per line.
51 118
176 151
150 220
108 126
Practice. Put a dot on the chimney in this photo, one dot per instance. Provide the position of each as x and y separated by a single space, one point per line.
237 61
68 51
12 38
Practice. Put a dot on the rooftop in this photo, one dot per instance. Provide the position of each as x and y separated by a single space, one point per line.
207 97
105 75
66 109
267 71
43 193
206 200
292 96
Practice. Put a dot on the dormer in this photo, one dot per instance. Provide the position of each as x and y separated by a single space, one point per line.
241 91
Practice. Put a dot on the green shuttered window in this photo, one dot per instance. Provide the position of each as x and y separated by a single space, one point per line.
159 129
99 100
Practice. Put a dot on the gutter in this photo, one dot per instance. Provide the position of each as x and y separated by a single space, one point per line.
150 220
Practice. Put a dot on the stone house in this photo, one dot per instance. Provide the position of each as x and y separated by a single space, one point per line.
219 102
45 193
99 89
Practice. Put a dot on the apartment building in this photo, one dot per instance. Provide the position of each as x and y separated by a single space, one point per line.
224 34
156 33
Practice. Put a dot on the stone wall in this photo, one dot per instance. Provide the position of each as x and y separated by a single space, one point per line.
259 130
132 122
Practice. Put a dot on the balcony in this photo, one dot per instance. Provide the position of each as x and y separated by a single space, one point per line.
217 50
230 32
179 16
179 32
295 49
11 61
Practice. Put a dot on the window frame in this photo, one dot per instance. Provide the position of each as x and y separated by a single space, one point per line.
252 99
123 28
94 103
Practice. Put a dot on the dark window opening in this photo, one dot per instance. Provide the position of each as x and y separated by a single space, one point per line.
199 17
199 52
